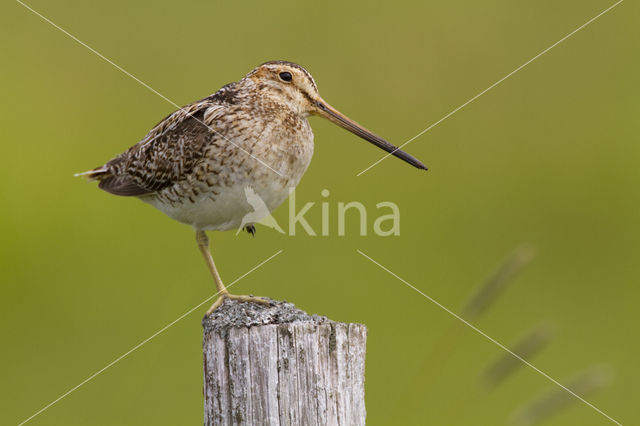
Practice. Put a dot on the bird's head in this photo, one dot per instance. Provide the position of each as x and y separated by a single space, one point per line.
290 84
286 83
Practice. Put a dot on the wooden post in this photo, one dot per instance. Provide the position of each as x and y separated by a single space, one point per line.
277 365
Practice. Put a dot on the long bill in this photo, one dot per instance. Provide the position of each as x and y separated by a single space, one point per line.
330 113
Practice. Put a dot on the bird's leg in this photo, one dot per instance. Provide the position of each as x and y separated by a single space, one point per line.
223 293
203 244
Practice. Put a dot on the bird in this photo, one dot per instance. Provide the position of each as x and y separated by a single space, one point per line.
196 163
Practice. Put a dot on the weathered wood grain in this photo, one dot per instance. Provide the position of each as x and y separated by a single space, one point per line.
277 365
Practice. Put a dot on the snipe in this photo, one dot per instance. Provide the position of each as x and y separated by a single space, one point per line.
196 164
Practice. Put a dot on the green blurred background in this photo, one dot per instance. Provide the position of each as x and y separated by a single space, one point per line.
549 157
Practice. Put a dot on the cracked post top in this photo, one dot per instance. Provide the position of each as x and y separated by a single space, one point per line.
233 313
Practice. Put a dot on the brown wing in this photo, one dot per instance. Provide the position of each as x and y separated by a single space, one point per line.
168 153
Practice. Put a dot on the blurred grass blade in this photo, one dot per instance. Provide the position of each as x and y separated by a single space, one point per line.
497 282
440 352
526 347
554 401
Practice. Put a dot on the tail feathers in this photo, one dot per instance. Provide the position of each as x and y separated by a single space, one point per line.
95 174
117 185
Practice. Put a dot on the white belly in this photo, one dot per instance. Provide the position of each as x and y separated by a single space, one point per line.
240 204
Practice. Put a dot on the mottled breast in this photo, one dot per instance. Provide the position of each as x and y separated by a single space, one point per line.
264 148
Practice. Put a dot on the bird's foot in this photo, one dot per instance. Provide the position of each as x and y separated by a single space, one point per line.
241 298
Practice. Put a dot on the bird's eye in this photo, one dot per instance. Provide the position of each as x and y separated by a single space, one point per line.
285 76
